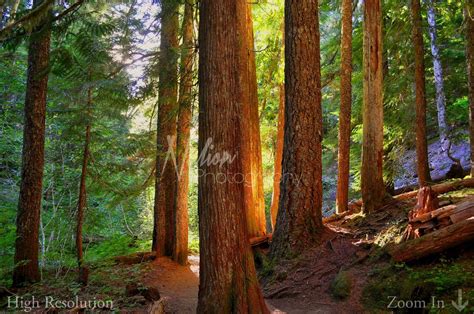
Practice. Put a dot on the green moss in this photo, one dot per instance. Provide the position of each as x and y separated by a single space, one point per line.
341 285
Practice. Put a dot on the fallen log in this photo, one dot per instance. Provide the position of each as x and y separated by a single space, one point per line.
135 258
440 188
464 211
434 242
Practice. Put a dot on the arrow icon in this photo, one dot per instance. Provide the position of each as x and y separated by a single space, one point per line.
459 305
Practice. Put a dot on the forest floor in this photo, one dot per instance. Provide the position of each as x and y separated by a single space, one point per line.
348 272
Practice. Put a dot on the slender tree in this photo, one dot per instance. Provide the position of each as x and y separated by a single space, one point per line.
29 204
299 220
342 194
469 17
372 185
278 157
180 251
438 77
420 93
255 215
165 184
82 200
228 281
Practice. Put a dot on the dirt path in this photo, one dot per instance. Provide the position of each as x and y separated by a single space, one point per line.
178 285
301 285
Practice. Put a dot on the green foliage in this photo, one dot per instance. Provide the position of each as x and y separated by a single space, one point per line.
341 285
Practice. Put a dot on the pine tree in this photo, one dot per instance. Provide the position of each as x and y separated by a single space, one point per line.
29 204
421 142
228 280
438 77
165 173
469 18
180 250
372 185
299 220
342 194
256 212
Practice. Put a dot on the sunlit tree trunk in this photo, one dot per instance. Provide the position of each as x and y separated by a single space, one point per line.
438 77
165 184
29 204
255 215
342 194
420 92
372 186
469 18
278 156
180 251
299 220
228 281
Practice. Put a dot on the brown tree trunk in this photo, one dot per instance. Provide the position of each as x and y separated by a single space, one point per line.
469 17
82 201
342 194
165 184
372 186
278 157
255 216
180 251
420 91
29 204
228 281
299 220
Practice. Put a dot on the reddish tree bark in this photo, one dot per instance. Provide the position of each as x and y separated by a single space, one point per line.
420 91
228 281
278 157
372 185
165 184
299 219
342 194
82 200
469 17
256 215
29 205
180 251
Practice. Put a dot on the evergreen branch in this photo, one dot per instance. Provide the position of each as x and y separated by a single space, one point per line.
34 12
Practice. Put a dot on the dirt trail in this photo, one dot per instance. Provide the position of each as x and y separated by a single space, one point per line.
304 290
178 285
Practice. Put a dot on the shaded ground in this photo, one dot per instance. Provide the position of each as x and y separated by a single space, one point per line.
305 285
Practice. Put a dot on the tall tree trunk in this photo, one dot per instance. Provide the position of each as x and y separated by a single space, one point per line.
299 220
228 281
278 157
256 215
82 201
29 204
469 17
373 189
165 179
420 91
180 252
342 194
438 77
